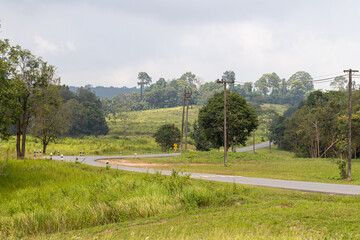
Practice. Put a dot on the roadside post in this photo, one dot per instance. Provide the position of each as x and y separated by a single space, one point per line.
175 147
80 153
62 157
50 156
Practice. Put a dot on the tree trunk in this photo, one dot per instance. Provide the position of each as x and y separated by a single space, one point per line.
23 140
270 145
18 140
44 146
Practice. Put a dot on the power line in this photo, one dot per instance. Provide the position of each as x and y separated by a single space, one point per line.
321 80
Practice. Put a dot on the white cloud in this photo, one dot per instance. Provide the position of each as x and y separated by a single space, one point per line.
45 47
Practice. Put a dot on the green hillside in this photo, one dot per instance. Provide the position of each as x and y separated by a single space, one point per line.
145 123
148 121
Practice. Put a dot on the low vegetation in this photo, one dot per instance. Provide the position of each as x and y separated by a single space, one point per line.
68 200
89 146
278 164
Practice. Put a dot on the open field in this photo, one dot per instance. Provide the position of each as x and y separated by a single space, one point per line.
275 165
145 123
140 141
90 146
59 200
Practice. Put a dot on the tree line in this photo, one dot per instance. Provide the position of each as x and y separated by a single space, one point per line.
318 127
269 88
32 101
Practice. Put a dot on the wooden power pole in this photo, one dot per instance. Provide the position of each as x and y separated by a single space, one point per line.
182 123
223 81
350 71
188 96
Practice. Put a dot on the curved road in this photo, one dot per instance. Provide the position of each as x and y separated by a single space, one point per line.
328 188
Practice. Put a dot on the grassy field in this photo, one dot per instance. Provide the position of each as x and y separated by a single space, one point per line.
276 165
147 122
90 146
140 141
43 199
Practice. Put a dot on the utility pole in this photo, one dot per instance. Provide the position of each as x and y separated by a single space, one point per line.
223 81
182 123
254 141
350 71
188 96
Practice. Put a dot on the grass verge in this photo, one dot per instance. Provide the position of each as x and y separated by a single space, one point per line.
59 200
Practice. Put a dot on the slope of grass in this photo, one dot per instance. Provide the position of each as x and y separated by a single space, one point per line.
147 122
58 200
279 108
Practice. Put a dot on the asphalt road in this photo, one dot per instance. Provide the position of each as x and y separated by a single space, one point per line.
257 146
340 189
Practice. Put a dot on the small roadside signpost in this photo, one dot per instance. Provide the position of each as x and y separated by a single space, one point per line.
175 147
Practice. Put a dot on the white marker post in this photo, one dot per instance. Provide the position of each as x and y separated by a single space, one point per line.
62 157
135 155
51 156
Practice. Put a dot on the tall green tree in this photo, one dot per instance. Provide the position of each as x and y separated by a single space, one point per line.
339 83
51 119
313 129
28 69
241 119
304 77
120 111
144 80
10 89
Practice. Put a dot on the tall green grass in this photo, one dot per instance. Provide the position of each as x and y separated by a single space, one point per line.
43 196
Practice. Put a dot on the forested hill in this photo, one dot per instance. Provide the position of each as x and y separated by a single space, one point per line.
109 92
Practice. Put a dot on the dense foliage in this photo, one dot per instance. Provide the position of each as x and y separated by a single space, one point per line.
241 119
167 135
318 128
31 101
86 113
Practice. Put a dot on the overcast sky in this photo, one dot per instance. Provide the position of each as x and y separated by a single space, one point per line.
107 42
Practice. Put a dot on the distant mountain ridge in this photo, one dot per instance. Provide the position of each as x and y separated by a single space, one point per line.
103 92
